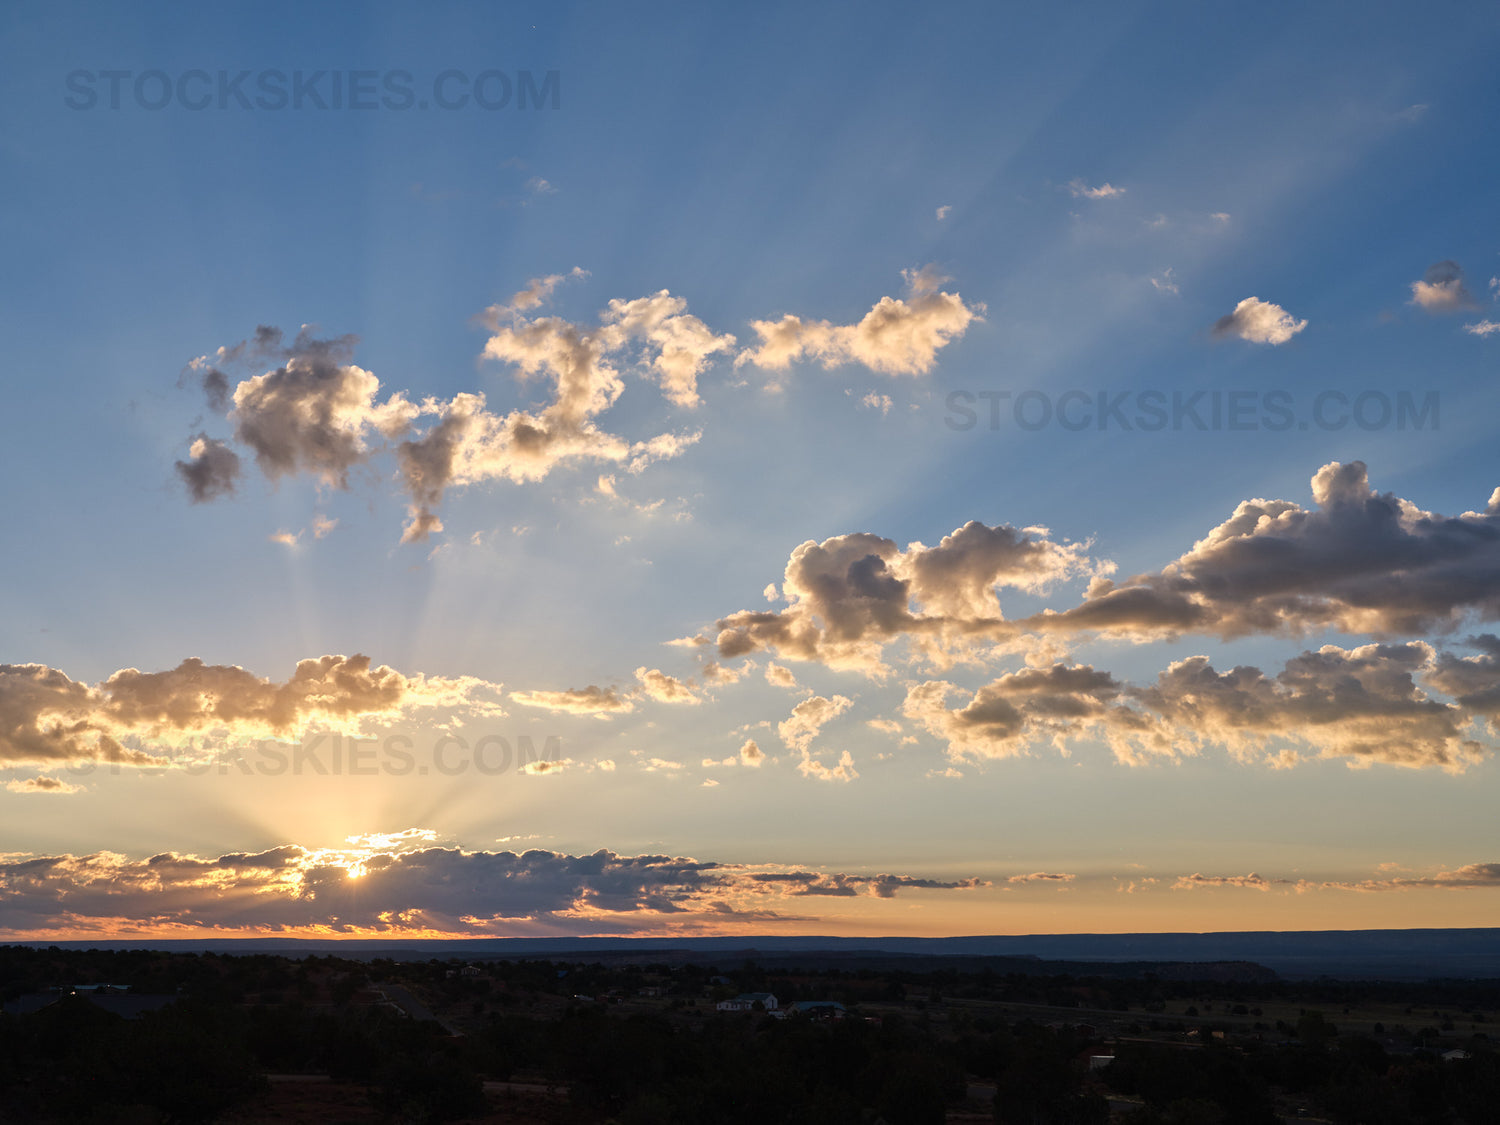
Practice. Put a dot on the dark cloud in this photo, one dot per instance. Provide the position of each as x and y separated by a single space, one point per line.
212 469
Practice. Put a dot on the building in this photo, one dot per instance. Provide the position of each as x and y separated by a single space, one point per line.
746 1001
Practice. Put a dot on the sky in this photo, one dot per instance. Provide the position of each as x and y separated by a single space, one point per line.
663 470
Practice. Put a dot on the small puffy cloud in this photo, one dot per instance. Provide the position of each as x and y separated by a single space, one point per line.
873 401
315 413
1483 328
779 676
212 470
1260 322
1165 283
591 700
45 785
1080 190
323 526
843 771
1442 289
284 537
751 755
658 686
547 766
809 717
944 211
896 337
683 344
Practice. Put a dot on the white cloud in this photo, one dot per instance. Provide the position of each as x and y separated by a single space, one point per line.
1260 322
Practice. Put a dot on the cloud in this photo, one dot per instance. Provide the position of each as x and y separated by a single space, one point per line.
657 685
1042 877
284 537
843 771
751 755
896 337
944 211
1079 189
683 344
1006 717
468 443
1442 289
873 401
808 718
1362 705
779 676
318 414
546 766
1483 328
591 700
1360 561
1251 881
45 717
46 785
1165 283
212 470
406 883
852 595
1260 322
323 526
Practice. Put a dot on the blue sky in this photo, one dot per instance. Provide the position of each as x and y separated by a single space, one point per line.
1134 201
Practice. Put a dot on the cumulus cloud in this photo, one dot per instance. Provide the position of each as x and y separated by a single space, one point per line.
662 688
1483 328
852 595
751 755
778 675
46 717
944 211
212 470
469 443
318 414
899 336
809 717
1260 322
1359 561
1442 289
1007 717
1362 705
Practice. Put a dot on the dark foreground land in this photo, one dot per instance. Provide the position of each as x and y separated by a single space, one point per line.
146 1036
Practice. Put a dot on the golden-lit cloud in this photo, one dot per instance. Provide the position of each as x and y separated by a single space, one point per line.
405 883
1362 705
46 717
1442 289
1259 322
896 337
851 596
1360 561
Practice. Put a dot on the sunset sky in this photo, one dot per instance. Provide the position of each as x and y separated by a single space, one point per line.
848 469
